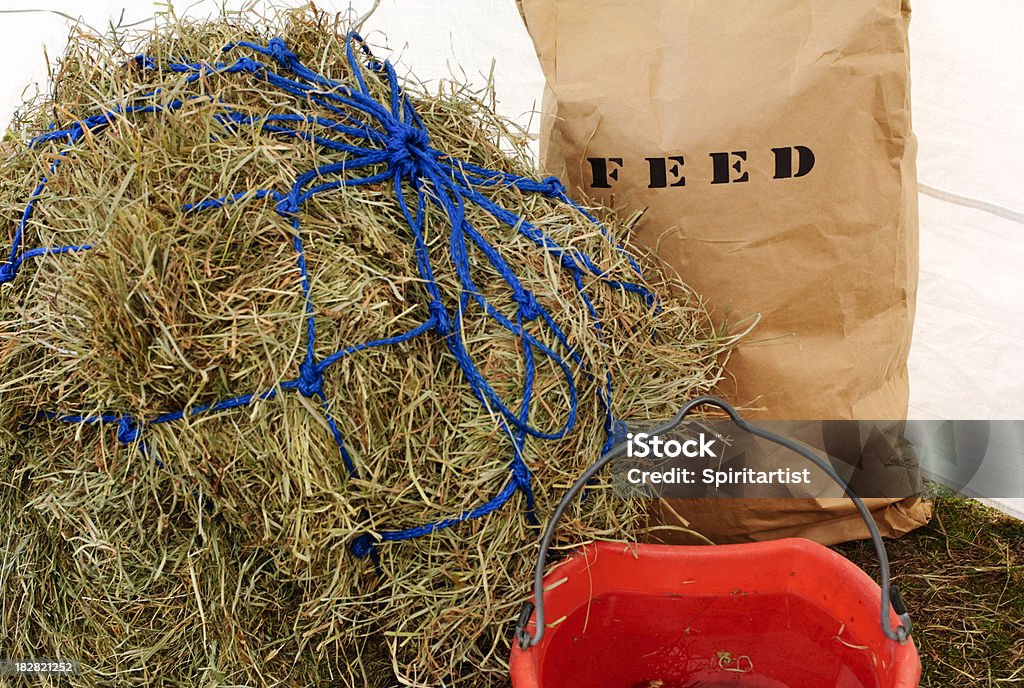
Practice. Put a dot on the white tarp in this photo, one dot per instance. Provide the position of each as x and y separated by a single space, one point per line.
967 359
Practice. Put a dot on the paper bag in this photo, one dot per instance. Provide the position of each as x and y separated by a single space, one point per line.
770 144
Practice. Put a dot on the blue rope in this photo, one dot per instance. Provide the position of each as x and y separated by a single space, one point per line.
393 147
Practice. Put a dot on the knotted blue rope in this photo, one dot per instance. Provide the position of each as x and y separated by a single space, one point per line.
394 148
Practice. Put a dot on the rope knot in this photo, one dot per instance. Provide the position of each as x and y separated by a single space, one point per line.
555 187
244 64
311 381
521 473
278 50
287 206
7 272
127 430
529 309
439 314
100 120
363 546
408 148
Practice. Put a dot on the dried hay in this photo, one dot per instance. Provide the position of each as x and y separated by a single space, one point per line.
216 550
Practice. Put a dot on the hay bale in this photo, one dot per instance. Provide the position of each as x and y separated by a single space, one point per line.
190 495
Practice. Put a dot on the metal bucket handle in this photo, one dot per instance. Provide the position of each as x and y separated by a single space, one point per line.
890 593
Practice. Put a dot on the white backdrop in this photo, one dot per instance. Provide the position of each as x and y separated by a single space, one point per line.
967 359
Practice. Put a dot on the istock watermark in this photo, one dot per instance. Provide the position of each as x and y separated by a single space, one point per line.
709 476
876 459
641 446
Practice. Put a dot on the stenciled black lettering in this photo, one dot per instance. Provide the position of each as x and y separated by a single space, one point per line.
604 171
784 161
722 163
664 169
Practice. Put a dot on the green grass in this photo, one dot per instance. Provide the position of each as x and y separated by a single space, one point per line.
962 577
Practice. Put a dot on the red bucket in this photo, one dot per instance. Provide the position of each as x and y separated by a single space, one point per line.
781 614
788 613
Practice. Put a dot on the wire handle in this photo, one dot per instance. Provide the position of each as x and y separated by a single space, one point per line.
890 593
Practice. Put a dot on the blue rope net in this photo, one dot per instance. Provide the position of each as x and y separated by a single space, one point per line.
393 147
